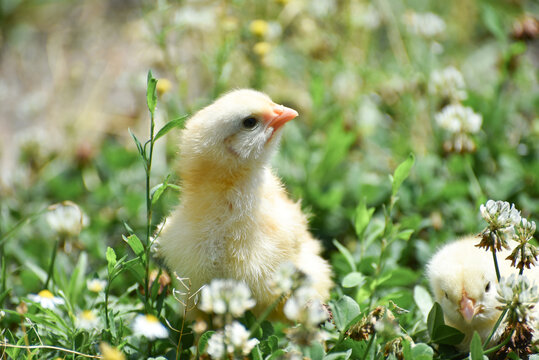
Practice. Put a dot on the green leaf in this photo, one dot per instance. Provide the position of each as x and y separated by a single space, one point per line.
438 331
493 22
398 277
353 279
169 126
422 352
139 145
135 244
423 300
401 173
344 311
278 354
273 342
435 318
315 351
447 335
339 356
363 217
76 282
256 353
203 342
476 349
111 259
405 234
347 255
151 95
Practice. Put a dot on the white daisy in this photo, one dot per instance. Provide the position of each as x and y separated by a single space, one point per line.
149 327
96 285
46 299
87 320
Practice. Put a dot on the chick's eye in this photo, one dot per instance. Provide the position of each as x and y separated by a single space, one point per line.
487 288
249 123
446 296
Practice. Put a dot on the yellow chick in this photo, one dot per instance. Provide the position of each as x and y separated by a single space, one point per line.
235 219
463 280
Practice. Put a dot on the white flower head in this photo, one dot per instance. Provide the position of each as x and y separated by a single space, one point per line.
233 340
226 296
364 16
500 214
149 327
519 296
427 25
287 278
305 307
46 299
66 218
448 83
525 230
456 118
87 320
216 345
96 285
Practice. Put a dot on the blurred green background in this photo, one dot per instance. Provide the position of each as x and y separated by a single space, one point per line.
360 73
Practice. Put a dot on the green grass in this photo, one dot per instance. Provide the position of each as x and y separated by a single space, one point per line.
366 157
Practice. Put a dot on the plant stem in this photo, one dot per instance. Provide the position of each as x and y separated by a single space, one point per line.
500 345
179 348
147 295
51 265
371 340
493 249
498 322
107 289
265 314
522 259
496 264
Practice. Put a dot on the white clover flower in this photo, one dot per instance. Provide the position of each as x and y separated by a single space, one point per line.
305 307
365 16
448 83
96 285
66 218
233 340
427 25
87 320
226 296
525 230
46 299
149 327
518 295
216 345
456 118
500 214
285 278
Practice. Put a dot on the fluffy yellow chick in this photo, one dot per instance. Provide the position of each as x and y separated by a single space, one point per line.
235 219
463 280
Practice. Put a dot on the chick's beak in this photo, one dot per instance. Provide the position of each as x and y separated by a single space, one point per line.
280 116
467 308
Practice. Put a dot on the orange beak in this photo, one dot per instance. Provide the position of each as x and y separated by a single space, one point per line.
281 115
467 308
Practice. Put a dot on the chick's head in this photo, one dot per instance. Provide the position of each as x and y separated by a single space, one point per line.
243 126
463 281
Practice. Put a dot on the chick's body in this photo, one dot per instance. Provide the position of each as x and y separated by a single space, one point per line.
463 280
235 219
